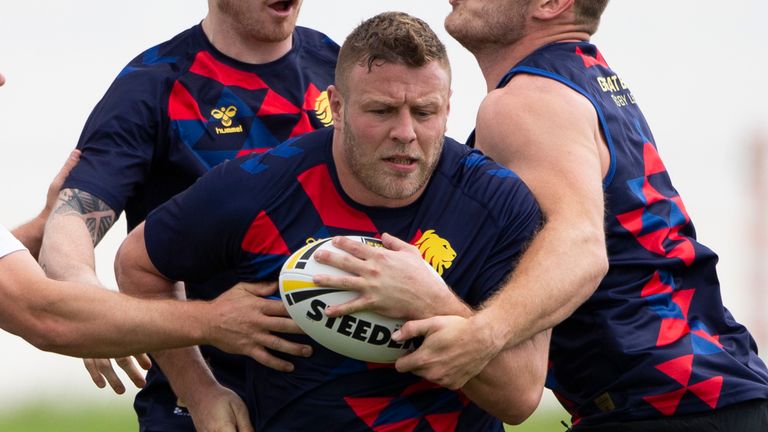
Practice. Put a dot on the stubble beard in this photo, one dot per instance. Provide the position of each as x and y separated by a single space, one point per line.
252 25
487 28
377 179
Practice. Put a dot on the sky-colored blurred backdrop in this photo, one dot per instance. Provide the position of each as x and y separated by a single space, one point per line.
697 68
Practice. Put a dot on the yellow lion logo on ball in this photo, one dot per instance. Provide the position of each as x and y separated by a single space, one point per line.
436 251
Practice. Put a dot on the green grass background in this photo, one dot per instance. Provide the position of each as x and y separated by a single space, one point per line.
113 417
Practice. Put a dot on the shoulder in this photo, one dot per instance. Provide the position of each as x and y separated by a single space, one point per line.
531 94
526 109
545 91
284 162
485 181
237 189
318 44
170 54
162 63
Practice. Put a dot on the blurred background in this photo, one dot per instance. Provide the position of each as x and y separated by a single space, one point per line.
696 67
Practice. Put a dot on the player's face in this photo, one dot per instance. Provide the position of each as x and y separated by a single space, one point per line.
392 126
261 20
480 24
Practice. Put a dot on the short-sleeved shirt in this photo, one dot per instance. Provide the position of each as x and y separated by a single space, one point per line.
177 110
182 107
247 216
8 243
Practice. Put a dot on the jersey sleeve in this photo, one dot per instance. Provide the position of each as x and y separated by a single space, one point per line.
8 243
519 218
120 138
198 233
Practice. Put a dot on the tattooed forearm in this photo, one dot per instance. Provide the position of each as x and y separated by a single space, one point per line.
95 213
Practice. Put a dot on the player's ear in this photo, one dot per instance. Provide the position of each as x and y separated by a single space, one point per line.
549 9
337 106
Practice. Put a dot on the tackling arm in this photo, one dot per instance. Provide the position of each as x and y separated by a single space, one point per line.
82 320
245 322
551 137
509 386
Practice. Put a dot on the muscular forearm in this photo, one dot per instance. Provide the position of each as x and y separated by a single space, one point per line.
94 322
67 250
82 320
564 264
510 386
187 372
447 304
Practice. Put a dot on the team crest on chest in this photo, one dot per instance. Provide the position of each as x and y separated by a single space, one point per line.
436 251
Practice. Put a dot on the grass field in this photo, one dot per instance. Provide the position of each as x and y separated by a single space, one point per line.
61 418
46 417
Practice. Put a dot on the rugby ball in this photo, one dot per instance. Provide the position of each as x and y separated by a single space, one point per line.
363 335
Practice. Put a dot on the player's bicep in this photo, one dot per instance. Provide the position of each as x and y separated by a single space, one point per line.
135 272
545 132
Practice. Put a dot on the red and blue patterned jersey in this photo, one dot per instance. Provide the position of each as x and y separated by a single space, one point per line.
173 113
245 218
654 339
182 107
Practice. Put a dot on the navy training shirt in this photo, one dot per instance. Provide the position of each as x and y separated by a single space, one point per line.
173 113
182 107
247 216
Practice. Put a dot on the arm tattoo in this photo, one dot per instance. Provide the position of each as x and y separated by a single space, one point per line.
96 214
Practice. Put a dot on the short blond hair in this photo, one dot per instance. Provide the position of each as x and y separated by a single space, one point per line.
390 37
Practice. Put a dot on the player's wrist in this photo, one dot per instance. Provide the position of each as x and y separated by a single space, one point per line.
448 303
196 396
491 329
204 315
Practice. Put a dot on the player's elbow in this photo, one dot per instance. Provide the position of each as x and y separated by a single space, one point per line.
48 342
522 407
128 268
50 335
123 266
598 261
593 259
31 317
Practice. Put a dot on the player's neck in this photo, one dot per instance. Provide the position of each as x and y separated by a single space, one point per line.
237 47
495 61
